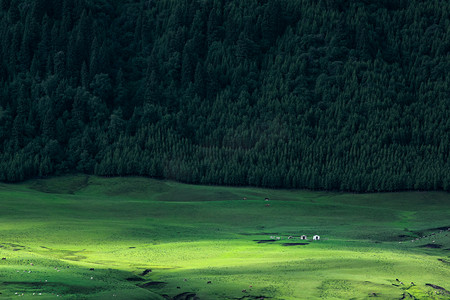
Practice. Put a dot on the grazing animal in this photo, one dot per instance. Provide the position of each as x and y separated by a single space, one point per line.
245 198
251 286
267 205
412 283
244 291
4 258
178 287
396 279
185 279
91 269
278 238
209 282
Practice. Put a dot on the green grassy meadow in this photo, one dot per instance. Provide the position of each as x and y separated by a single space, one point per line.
53 231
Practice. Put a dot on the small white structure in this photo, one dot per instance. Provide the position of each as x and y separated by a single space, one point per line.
316 237
303 237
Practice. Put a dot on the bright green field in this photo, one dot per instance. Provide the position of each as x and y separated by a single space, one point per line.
121 226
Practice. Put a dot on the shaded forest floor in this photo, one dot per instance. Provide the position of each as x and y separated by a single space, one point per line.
81 237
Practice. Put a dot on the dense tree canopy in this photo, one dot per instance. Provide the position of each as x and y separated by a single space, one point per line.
329 94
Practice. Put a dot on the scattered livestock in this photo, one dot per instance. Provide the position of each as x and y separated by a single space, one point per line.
431 235
4 258
209 281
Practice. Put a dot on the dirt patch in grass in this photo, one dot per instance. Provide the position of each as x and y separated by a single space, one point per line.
252 297
11 245
436 287
407 296
25 283
153 284
135 278
186 296
263 241
404 237
146 271
258 233
432 246
440 228
295 244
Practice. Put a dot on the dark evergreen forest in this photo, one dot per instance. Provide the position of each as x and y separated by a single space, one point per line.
320 94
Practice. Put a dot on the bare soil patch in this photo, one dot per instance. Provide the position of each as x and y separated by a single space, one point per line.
263 241
433 246
436 287
186 296
146 271
153 284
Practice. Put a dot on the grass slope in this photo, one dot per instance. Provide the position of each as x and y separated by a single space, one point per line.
53 231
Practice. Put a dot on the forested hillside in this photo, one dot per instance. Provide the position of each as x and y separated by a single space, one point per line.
328 94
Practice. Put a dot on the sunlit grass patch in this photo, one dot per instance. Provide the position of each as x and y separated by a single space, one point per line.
185 236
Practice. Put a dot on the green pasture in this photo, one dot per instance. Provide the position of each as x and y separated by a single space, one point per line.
54 231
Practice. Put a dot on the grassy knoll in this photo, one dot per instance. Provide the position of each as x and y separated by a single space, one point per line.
146 238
